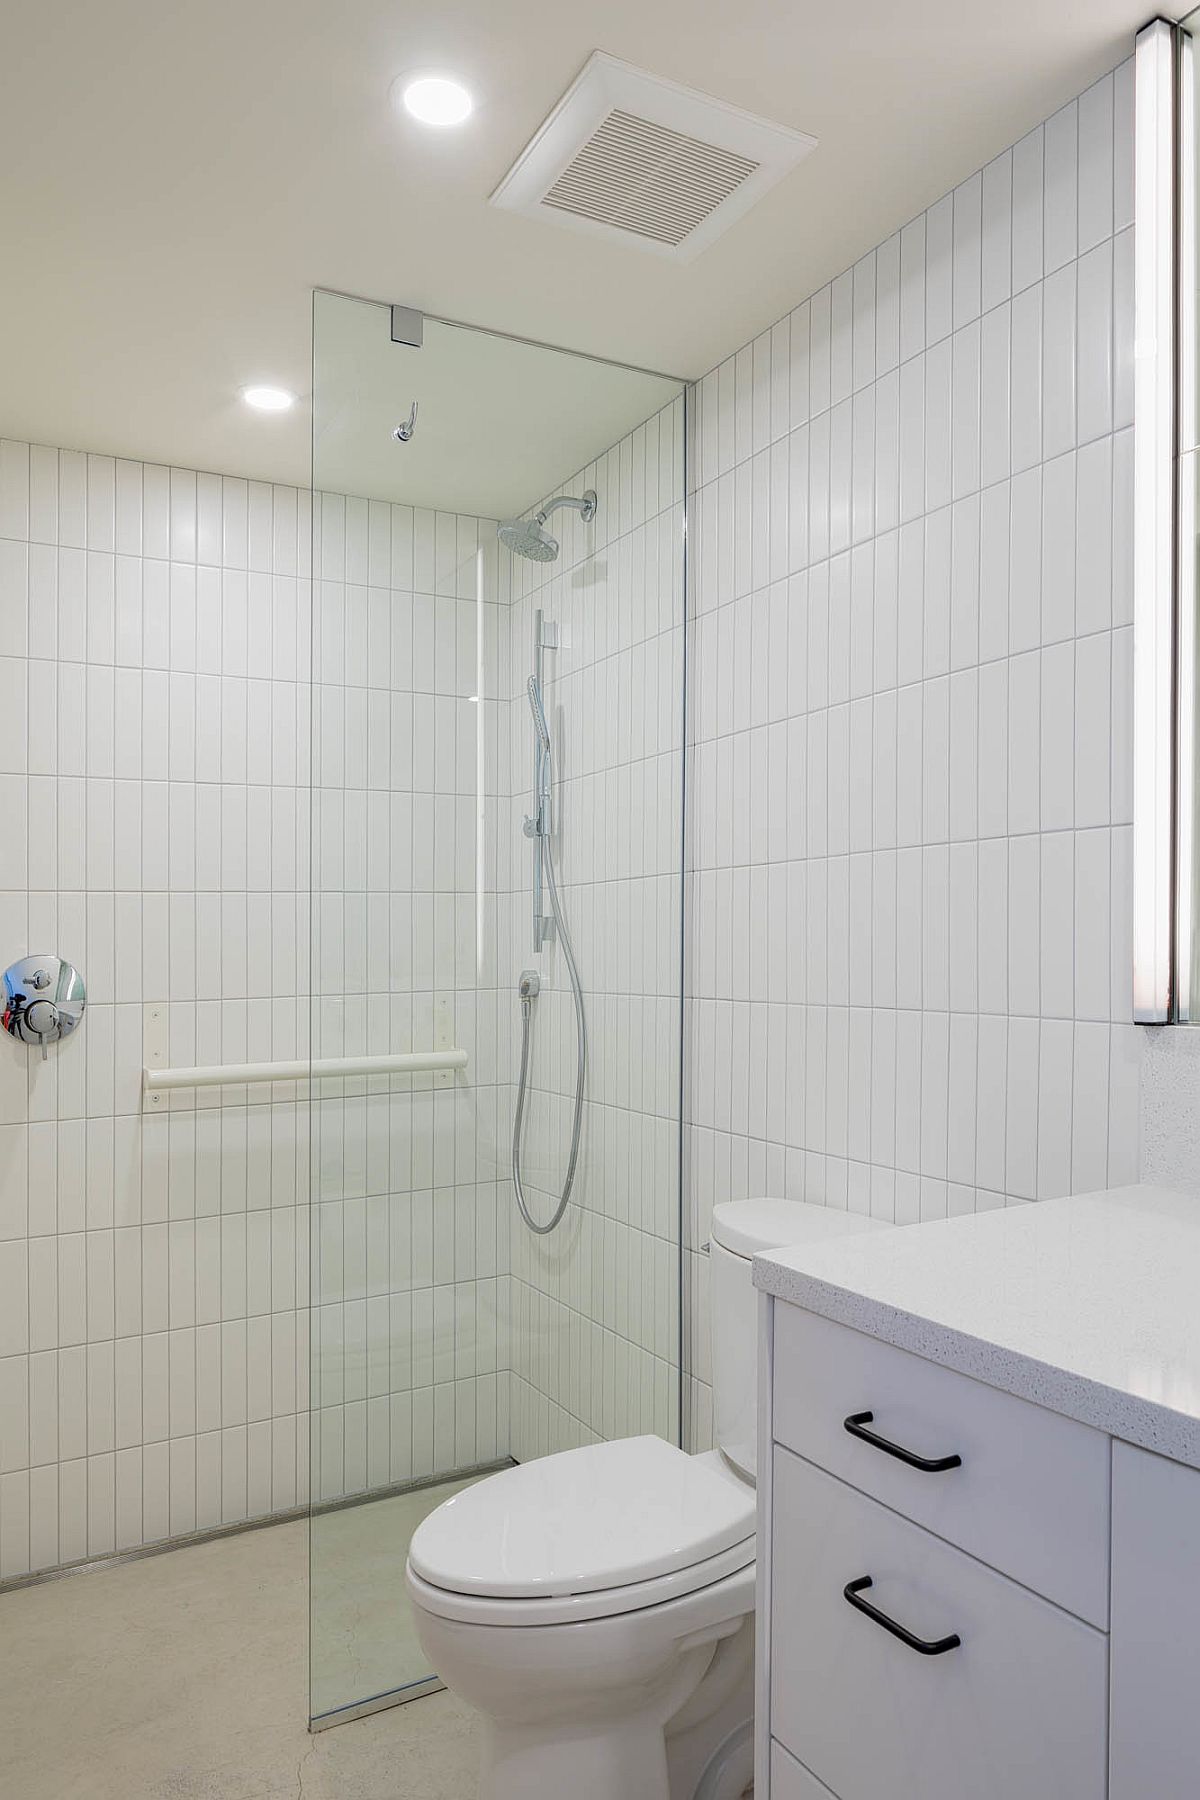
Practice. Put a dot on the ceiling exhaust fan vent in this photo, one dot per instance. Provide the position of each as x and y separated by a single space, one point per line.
629 157
643 177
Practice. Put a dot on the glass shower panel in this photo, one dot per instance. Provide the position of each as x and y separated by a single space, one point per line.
448 1339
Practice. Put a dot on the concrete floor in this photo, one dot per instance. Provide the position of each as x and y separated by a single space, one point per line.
185 1677
364 1641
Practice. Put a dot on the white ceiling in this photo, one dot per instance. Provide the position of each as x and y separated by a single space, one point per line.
175 180
501 423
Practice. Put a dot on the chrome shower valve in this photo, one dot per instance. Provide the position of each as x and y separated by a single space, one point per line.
44 999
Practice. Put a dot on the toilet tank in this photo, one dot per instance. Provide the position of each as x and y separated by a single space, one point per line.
740 1229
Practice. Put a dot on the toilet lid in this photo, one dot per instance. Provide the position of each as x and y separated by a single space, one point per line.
582 1520
748 1226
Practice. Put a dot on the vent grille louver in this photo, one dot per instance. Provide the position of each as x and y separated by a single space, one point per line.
644 162
639 176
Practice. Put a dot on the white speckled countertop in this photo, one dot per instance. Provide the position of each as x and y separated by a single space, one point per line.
1089 1305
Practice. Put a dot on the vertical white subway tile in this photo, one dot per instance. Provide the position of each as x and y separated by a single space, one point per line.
781 357
991 1107
1025 560
1024 743
43 494
912 438
993 749
1123 145
938 377
965 429
993 925
1058 746
887 452
1027 209
1056 1055
1021 1108
1093 545
1057 925
994 525
1058 361
1058 549
1096 164
1094 344
1092 924
912 289
1093 729
156 511
1024 925
1025 428
72 499
887 305
996 239
968 227
994 395
101 503
939 270
1061 236
863 352
820 306
841 338
1122 365
799 370
128 508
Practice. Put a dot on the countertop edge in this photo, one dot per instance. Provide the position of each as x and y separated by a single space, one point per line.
1148 1424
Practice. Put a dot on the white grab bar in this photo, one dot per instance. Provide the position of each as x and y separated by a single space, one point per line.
403 1062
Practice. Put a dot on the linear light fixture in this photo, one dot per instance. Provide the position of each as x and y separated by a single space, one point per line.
1154 519
1185 997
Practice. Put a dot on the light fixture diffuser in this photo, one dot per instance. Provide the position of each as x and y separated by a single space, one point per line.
436 100
264 398
1154 519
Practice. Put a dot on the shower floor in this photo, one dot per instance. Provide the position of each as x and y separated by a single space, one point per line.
185 1676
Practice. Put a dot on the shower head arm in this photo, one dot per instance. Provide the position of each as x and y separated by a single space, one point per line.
585 506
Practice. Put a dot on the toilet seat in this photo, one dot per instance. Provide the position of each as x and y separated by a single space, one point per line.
604 1603
586 1533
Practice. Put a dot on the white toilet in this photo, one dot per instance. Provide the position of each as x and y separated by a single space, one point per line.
597 1606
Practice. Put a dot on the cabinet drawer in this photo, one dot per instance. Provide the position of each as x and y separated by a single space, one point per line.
790 1782
1017 1708
1030 1496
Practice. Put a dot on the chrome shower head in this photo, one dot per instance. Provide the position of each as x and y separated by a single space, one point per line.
539 712
526 538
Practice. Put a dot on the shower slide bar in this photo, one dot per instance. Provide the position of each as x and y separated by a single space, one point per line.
403 1062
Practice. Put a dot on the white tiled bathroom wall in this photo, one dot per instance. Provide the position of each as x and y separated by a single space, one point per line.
595 1322
155 807
907 906
410 1220
910 788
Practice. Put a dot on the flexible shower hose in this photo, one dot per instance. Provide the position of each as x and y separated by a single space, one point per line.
564 938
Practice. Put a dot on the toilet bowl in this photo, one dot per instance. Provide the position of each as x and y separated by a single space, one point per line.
597 1606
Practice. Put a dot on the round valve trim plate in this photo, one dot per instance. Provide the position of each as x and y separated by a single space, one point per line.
44 998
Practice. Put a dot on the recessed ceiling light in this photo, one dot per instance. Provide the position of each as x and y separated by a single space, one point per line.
436 100
268 399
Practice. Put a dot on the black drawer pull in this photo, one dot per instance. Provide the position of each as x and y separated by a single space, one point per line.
923 1646
929 1465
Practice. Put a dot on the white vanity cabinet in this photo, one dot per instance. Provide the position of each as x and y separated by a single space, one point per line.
962 1592
1155 1650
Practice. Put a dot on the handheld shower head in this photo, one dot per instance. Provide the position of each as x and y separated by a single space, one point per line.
539 713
